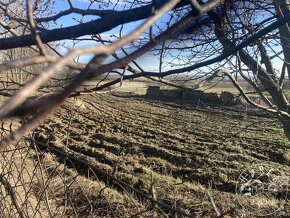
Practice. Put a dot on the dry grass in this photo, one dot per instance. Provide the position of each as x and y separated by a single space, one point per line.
178 148
179 144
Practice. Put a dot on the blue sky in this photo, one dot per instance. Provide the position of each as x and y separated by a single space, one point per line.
147 61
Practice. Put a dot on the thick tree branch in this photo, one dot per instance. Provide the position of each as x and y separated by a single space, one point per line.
83 12
93 27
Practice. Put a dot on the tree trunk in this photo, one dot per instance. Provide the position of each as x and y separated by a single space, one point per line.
282 7
269 82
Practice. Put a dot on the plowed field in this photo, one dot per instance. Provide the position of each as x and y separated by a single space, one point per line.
185 147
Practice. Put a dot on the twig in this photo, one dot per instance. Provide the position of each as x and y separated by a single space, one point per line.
10 191
33 28
213 204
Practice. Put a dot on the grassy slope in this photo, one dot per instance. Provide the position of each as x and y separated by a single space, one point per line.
187 148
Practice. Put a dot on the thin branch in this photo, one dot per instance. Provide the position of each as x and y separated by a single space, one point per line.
213 204
253 84
70 3
33 28
282 77
270 110
12 195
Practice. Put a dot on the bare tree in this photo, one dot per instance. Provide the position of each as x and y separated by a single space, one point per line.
41 66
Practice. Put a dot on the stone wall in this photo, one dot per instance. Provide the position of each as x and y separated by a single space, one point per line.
211 96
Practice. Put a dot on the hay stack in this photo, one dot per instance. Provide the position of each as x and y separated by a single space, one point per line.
211 96
174 93
191 94
227 97
153 91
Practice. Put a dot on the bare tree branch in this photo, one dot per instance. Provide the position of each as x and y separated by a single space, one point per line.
92 27
235 83
33 28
